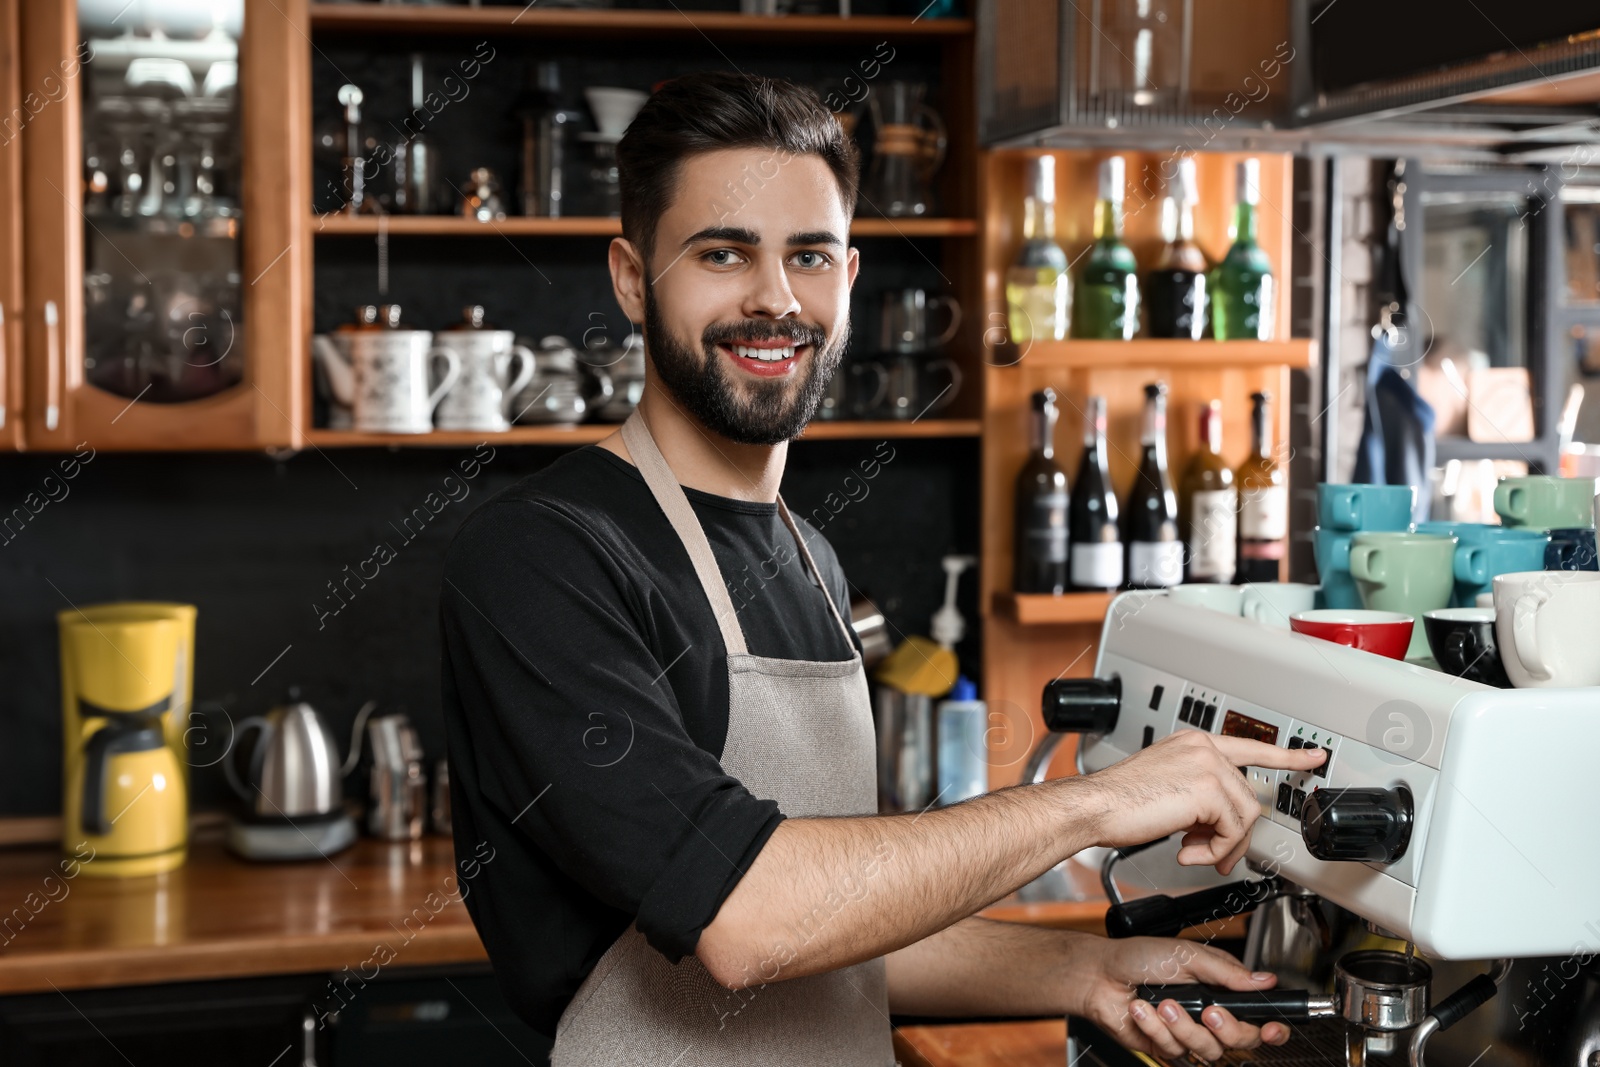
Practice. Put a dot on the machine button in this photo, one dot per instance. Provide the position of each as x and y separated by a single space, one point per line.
1321 770
1155 698
1283 797
1149 737
1209 717
1297 801
1363 825
1185 709
1295 742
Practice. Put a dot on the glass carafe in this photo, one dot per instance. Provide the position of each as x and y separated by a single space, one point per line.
908 146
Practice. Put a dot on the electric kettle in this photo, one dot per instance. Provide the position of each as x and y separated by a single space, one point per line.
294 790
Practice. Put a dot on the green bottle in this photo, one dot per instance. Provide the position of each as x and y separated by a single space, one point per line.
1242 289
1038 290
1106 304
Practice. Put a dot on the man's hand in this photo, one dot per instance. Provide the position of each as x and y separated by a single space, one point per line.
1190 781
1103 976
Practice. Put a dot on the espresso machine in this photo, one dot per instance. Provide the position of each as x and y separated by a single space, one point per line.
1425 895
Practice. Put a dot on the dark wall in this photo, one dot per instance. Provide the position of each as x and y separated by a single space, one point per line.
254 542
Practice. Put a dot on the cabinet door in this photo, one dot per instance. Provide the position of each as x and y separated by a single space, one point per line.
10 229
161 195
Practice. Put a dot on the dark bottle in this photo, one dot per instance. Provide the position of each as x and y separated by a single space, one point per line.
1208 506
1263 501
1040 559
1150 512
1106 304
1175 292
1096 561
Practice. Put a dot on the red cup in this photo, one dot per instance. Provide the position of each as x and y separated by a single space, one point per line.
1388 633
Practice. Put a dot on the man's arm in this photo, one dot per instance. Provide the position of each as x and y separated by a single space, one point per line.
983 967
827 893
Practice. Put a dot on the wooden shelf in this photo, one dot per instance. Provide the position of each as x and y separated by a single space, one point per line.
644 25
588 226
588 433
1040 609
847 429
1163 353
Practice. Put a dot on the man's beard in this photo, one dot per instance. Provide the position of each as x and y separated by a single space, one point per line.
766 412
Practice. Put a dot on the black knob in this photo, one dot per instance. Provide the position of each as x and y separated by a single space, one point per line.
1362 825
1082 705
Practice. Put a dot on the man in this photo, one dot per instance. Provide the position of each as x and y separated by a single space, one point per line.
679 793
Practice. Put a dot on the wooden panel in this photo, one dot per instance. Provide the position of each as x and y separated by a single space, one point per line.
11 306
588 433
549 23
581 226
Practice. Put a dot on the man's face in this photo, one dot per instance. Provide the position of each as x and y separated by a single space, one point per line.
747 295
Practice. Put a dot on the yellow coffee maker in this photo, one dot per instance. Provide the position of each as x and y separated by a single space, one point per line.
125 679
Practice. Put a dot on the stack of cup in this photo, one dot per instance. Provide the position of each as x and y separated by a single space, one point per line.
1484 550
1344 511
1407 572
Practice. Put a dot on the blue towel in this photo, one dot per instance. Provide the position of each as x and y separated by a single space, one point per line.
1397 440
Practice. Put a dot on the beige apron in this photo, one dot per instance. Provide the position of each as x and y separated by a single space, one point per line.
799 733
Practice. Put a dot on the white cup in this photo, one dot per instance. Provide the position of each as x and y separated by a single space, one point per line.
1223 598
482 394
1271 603
1547 624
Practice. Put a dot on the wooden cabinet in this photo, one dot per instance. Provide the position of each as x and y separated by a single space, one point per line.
10 228
161 191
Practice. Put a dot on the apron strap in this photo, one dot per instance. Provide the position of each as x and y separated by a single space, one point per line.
811 564
670 496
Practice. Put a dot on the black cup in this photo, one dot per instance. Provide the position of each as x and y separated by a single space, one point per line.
1571 549
1464 645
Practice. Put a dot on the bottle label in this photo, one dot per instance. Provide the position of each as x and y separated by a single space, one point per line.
1097 564
1213 527
1156 562
1264 515
1047 528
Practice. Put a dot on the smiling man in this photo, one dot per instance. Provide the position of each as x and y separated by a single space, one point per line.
680 794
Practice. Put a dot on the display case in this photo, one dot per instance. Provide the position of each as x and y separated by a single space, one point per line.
158 170
10 229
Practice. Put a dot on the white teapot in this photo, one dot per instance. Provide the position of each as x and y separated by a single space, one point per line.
382 373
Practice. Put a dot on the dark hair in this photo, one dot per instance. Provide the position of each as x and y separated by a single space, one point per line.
715 110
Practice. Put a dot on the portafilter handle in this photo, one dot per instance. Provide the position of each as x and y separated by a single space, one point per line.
1160 915
1250 1006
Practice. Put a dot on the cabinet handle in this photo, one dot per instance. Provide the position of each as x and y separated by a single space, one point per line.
5 382
52 366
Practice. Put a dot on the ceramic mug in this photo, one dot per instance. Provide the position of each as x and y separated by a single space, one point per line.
1364 507
383 376
1484 550
481 396
1271 603
1464 644
1223 598
1570 549
1548 627
1386 633
1545 502
1398 570
1333 568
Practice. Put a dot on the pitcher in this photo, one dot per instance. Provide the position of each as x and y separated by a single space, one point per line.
481 397
908 146
382 374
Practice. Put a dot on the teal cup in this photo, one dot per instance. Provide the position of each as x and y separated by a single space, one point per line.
1333 567
1364 507
1544 502
1483 551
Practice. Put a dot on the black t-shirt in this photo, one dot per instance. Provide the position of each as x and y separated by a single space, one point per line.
586 707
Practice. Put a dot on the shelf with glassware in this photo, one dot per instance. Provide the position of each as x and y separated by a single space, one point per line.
158 226
675 21
589 433
1088 336
588 226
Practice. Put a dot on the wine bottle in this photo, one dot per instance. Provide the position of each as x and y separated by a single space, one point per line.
1040 564
1096 558
1263 501
1038 284
1242 291
1150 513
1175 292
1106 305
1208 506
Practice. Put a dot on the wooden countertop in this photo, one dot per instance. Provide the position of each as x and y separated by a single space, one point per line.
221 917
